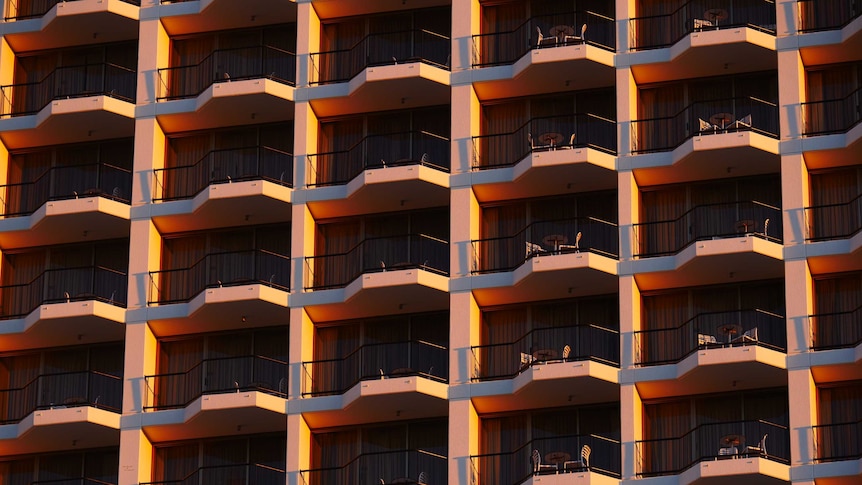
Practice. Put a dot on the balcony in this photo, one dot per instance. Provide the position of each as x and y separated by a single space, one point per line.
389 466
703 39
379 172
837 442
835 229
720 450
375 381
36 25
64 203
58 305
830 34
217 376
220 291
834 117
381 72
516 467
79 101
237 474
61 407
838 330
557 47
260 177
815 17
228 87
739 240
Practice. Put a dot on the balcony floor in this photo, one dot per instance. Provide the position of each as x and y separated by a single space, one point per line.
82 219
61 324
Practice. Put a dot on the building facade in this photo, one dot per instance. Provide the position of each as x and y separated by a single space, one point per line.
430 241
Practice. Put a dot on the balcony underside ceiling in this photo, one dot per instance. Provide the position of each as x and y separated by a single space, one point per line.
62 324
67 221
556 74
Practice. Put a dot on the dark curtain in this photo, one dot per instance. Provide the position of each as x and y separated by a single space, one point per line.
836 204
837 303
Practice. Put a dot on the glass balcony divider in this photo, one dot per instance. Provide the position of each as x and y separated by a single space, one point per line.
217 376
216 270
225 65
61 390
64 285
379 151
98 79
658 31
376 361
713 441
382 49
546 345
224 166
579 130
668 132
379 254
708 221
509 252
67 182
710 331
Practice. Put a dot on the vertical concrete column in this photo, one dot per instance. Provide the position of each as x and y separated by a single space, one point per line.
799 303
631 429
630 321
153 53
628 201
136 453
464 332
791 93
803 414
463 442
298 449
466 18
627 109
307 41
625 10
301 350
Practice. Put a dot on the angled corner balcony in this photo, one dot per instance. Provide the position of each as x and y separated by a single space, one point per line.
80 466
710 346
544 360
544 257
576 150
700 39
60 304
408 270
838 442
216 392
577 46
835 227
61 407
397 466
374 381
225 185
34 25
729 450
64 202
829 34
836 121
238 474
378 171
700 138
226 86
516 467
382 70
222 288
710 240
79 101
836 330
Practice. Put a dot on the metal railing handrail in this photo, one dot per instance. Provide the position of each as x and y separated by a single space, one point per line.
48 8
63 68
844 344
204 258
689 212
685 110
842 100
703 314
202 468
360 42
376 453
854 14
209 56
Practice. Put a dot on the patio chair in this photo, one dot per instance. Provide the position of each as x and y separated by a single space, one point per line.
533 249
706 126
704 339
583 463
728 451
538 467
759 448
573 247
423 479
544 40
699 24
574 38
743 123
568 146
747 336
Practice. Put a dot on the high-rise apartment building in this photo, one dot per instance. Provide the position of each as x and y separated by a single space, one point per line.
353 242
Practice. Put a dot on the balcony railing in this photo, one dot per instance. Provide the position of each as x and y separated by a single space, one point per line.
26 9
709 221
216 270
705 118
239 474
74 481
545 134
67 182
816 15
714 441
376 361
388 466
225 65
659 31
376 255
546 345
380 50
379 151
834 221
64 285
514 467
217 376
836 330
224 166
99 79
541 238
835 442
558 30
61 390
709 331
832 115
